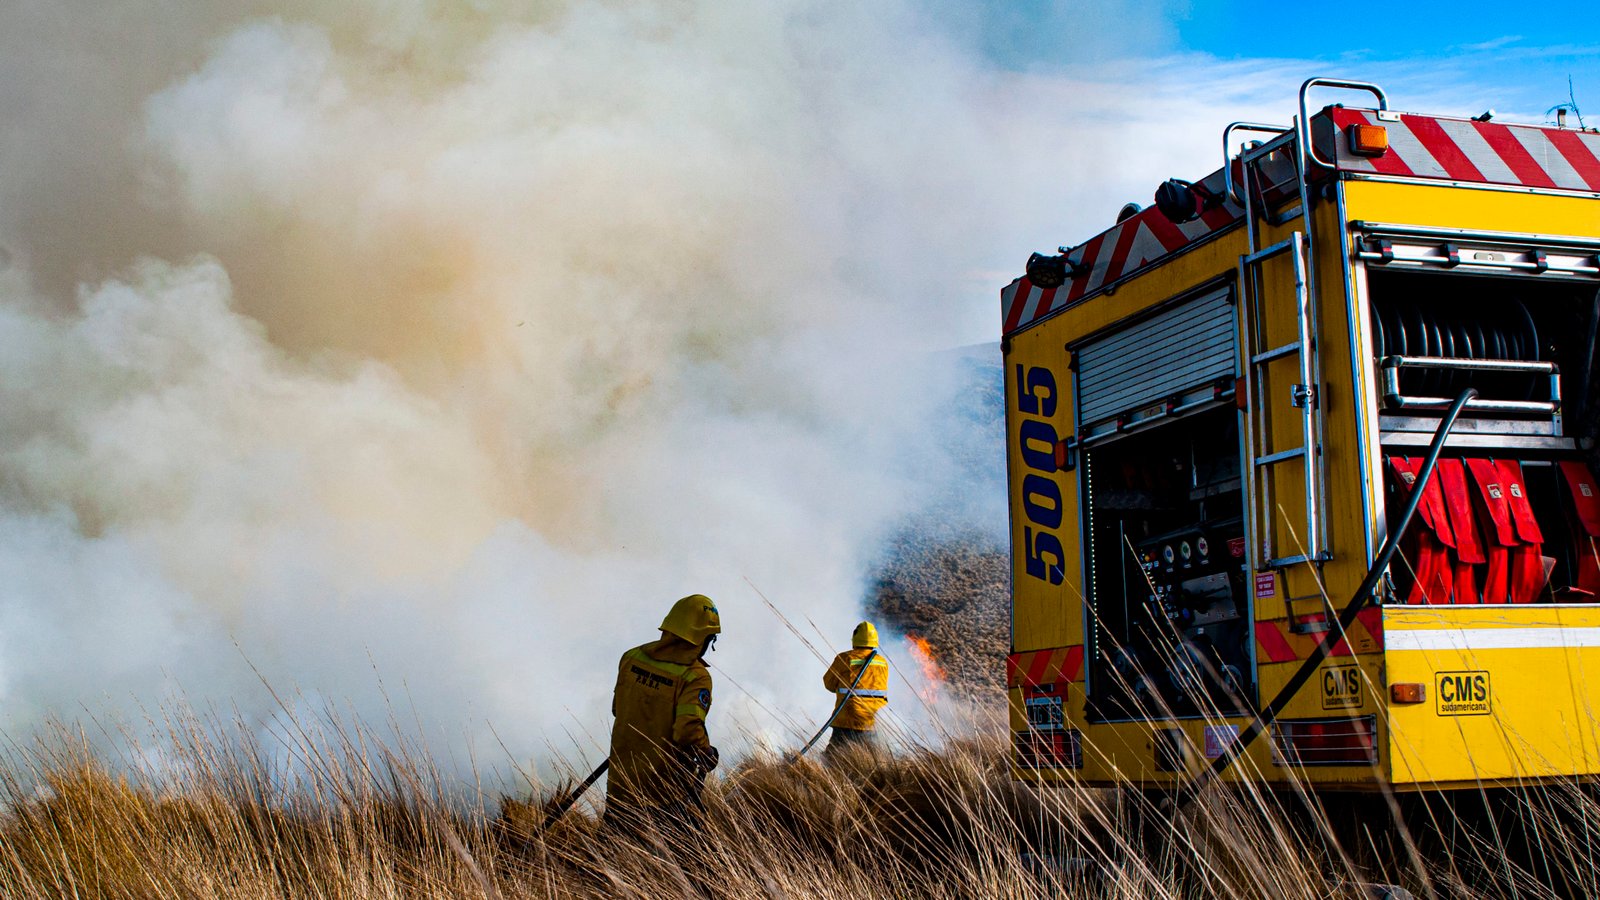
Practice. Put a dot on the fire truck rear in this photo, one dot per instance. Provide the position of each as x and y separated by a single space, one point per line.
1220 409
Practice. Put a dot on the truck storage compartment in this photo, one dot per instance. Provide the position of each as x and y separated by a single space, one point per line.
1167 601
1498 530
1505 518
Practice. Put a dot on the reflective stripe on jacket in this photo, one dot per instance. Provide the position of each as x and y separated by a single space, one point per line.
661 699
872 691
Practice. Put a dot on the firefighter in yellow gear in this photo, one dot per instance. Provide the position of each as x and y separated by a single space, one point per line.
660 752
858 707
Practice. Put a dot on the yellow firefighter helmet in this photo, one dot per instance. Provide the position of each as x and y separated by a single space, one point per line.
865 635
694 618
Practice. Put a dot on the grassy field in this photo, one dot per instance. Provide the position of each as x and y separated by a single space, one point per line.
347 818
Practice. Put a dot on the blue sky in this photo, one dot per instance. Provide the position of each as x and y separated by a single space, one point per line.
1528 53
1513 57
1391 31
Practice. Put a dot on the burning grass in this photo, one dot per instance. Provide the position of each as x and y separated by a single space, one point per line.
348 819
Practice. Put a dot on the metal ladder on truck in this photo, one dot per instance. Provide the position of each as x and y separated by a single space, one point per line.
1255 419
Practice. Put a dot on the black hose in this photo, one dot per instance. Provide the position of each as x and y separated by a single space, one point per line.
560 809
849 693
1347 616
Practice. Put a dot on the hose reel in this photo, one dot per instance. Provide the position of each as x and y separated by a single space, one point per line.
1434 347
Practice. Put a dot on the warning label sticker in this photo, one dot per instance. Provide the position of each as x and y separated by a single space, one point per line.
1462 693
1218 737
1266 585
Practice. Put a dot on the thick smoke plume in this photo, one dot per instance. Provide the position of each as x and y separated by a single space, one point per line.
420 355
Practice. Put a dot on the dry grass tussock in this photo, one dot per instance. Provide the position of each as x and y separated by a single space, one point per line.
345 816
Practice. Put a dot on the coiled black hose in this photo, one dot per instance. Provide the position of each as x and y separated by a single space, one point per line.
1503 330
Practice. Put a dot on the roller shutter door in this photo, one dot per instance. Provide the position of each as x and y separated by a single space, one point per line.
1178 350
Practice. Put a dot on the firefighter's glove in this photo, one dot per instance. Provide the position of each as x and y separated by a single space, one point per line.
698 760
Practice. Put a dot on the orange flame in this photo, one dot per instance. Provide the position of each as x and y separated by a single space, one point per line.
932 672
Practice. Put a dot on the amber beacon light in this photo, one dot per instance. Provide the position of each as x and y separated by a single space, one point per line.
1369 140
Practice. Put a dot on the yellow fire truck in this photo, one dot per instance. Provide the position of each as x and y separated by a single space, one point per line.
1298 464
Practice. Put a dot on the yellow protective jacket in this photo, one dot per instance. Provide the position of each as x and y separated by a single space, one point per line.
660 703
872 691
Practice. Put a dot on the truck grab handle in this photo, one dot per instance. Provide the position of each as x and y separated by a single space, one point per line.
1303 124
1227 152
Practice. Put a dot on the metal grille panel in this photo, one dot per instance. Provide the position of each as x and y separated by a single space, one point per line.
1177 350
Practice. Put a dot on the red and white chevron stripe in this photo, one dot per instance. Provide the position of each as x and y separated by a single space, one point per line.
1126 247
1276 642
1487 152
1419 147
1033 668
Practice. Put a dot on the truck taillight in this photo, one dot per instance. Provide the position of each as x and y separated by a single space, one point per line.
1326 742
1049 749
1368 140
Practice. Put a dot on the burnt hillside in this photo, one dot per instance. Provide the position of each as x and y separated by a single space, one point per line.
943 573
